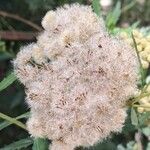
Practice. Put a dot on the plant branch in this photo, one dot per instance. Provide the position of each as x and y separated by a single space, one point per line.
17 17
17 35
138 137
144 106
139 97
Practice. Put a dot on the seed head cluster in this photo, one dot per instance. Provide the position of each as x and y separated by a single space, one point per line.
77 78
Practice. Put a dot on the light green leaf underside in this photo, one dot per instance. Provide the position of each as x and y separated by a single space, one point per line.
96 6
40 144
134 118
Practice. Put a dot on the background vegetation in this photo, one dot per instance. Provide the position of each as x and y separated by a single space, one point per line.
19 24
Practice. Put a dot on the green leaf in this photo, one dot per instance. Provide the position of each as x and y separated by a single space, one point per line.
12 121
5 56
7 81
113 16
40 144
144 118
146 131
129 6
7 123
148 146
135 24
105 145
2 46
96 6
18 145
130 145
134 118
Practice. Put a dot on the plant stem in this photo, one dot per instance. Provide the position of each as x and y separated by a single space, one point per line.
141 68
139 97
16 17
144 106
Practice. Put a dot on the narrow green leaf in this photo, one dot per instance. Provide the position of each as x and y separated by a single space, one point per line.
134 118
113 16
18 145
135 24
129 6
2 46
12 120
7 81
25 115
40 144
7 123
96 6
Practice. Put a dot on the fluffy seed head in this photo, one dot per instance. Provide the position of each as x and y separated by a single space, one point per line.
77 77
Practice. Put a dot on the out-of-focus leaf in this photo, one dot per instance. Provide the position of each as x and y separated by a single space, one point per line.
7 81
40 144
18 145
128 127
113 16
130 145
129 6
148 146
2 46
145 31
120 147
17 99
134 118
143 118
146 131
34 5
135 24
105 145
96 6
6 123
5 56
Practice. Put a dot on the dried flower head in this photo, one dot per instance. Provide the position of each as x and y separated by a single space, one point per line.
77 77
